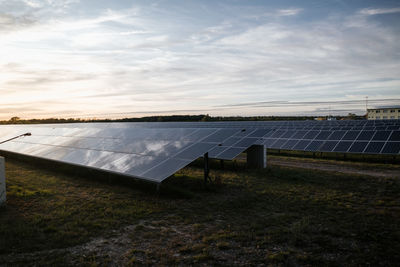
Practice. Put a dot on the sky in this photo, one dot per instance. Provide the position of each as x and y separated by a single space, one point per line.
113 59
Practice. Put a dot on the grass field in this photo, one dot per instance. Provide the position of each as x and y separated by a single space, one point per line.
278 216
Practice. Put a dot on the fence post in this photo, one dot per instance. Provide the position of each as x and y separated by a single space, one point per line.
2 182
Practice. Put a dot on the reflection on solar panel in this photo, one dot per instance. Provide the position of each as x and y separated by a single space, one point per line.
154 151
147 153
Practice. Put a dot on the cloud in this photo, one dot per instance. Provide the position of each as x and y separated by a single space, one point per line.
289 11
151 59
379 11
10 22
374 102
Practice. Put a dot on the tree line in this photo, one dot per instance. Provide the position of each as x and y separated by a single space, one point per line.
171 118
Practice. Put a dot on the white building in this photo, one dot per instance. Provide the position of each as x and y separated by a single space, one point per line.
384 113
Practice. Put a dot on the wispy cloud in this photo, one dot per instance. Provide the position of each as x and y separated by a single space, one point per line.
289 11
379 11
9 23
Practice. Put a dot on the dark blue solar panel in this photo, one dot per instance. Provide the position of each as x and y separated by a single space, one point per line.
301 145
358 146
244 132
259 133
314 146
369 128
323 135
395 136
277 134
392 127
230 153
328 146
381 135
289 144
288 134
245 142
374 147
391 148
268 142
216 150
342 146
311 135
219 136
278 143
365 135
231 141
269 134
299 134
337 135
351 135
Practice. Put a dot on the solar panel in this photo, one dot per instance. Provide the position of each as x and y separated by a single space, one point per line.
343 146
323 135
230 153
381 135
314 146
302 144
146 153
391 148
358 147
395 136
337 135
278 143
374 147
366 135
311 134
153 151
351 135
269 141
290 144
216 151
328 146
299 134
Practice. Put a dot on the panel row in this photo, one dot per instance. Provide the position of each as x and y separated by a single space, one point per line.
366 147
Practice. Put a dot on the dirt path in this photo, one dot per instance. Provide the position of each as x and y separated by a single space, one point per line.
335 167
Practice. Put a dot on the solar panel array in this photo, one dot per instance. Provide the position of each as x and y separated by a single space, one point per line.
154 151
150 154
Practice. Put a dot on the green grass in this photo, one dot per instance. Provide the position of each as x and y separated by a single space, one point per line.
278 216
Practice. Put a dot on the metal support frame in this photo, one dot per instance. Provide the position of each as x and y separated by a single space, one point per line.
206 169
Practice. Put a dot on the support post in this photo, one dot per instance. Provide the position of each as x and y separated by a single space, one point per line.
2 182
206 168
257 157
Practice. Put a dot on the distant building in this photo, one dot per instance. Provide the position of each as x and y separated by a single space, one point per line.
384 113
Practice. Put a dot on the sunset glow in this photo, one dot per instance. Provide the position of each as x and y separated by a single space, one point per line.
71 58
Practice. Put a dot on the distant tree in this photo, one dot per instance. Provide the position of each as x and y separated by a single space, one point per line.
14 119
206 118
352 116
